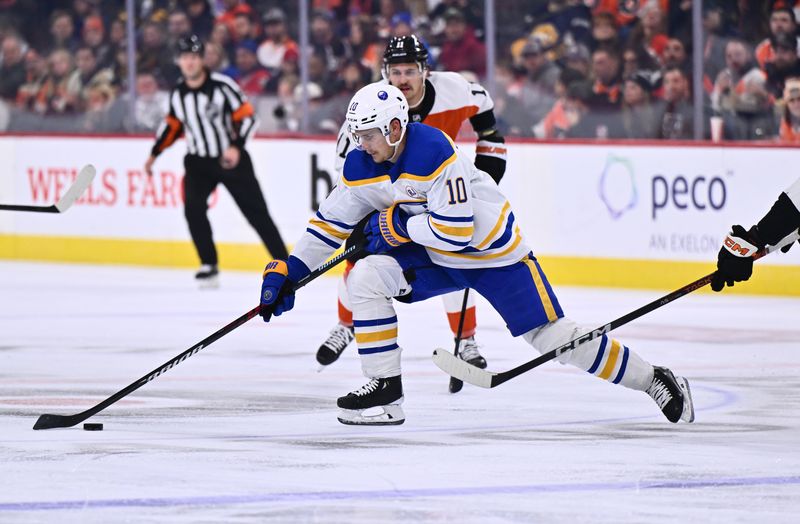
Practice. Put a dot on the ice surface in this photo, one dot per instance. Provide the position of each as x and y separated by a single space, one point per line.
246 430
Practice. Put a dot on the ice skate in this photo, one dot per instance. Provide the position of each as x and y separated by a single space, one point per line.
672 394
339 338
468 352
207 277
376 403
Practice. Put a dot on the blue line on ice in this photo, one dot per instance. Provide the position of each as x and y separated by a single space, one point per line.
302 496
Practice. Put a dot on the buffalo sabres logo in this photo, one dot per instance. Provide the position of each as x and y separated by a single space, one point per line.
411 192
383 95
268 295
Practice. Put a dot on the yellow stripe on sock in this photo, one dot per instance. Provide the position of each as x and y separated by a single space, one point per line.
611 363
549 310
376 336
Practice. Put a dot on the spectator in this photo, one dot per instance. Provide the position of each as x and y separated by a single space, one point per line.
178 26
639 117
739 62
674 54
221 36
325 42
94 37
401 25
650 30
752 116
578 58
364 44
117 34
537 90
606 74
635 58
12 72
53 97
87 72
215 58
555 123
461 51
243 28
35 76
605 31
150 106
289 68
277 46
716 34
200 17
251 76
790 121
586 121
231 9
676 116
781 22
155 56
103 113
319 73
62 31
785 64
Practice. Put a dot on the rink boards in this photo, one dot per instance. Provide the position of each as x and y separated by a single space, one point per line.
615 215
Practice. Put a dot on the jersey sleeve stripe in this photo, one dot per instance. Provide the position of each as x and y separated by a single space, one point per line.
497 226
328 229
443 239
456 231
443 218
482 255
324 239
334 222
245 110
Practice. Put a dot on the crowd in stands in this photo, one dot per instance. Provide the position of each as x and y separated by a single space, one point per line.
564 68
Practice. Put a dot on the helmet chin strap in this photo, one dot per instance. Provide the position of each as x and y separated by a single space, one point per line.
395 144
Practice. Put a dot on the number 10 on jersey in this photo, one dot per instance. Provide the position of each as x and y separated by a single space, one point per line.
458 194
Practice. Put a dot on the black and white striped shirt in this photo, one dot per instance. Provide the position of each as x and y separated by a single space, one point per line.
212 117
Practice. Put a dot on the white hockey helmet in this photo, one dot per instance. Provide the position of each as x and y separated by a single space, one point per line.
376 106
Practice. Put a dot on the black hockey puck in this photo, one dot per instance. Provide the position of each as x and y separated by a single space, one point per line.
89 426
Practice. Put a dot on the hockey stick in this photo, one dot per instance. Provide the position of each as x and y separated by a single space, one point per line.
455 367
455 384
48 421
82 181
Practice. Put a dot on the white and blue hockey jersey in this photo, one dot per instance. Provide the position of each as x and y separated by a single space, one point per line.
457 211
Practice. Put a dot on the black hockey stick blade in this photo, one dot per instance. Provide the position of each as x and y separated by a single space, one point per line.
456 384
50 421
82 181
455 367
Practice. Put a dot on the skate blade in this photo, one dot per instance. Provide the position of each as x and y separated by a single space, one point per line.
208 283
688 404
391 415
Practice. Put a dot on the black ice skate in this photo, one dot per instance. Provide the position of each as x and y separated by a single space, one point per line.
381 395
672 394
468 352
337 341
207 277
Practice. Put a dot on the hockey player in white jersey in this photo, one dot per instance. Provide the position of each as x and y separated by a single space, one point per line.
445 101
436 224
735 259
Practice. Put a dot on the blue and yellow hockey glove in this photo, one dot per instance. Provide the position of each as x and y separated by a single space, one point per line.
280 276
386 230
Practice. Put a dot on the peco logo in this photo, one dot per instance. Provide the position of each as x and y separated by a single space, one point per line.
682 192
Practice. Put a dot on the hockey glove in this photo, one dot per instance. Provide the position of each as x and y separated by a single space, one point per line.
735 259
386 230
280 276
359 237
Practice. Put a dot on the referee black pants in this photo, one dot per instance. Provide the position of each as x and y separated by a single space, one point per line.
202 176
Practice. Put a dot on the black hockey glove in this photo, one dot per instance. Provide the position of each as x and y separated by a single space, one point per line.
358 237
735 258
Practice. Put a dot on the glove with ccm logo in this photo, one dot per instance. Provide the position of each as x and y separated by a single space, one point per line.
386 230
735 259
280 276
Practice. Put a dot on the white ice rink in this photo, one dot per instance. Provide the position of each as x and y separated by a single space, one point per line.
246 430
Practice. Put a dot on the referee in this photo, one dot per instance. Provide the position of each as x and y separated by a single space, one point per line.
213 113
